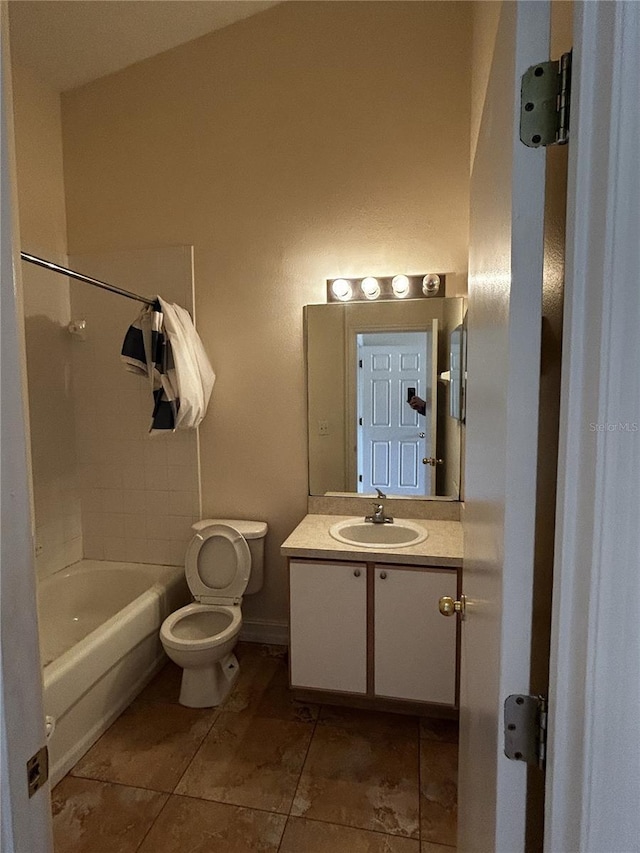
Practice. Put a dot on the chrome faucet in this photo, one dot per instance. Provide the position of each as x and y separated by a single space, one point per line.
378 516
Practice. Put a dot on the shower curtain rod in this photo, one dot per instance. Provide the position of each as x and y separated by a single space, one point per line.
49 265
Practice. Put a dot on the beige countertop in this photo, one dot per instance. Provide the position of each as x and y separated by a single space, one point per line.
311 538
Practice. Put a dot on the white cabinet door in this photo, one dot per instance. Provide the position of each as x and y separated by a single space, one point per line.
415 647
328 623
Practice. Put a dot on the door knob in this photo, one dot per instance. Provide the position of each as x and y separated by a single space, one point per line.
448 607
421 435
431 460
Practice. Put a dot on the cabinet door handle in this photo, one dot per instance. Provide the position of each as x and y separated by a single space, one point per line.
356 573
383 576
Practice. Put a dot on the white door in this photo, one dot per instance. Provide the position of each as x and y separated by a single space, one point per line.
504 317
393 438
25 821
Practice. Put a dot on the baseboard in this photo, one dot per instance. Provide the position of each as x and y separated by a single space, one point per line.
263 631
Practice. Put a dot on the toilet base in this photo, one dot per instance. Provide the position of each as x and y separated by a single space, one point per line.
209 686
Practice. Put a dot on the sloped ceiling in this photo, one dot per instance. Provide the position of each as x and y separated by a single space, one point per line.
71 42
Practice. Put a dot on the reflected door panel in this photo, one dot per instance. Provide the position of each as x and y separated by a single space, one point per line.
390 447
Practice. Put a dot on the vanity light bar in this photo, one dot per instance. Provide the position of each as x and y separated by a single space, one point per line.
377 289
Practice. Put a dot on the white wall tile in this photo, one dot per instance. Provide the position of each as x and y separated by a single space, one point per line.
177 553
113 500
179 528
93 547
112 525
133 476
157 502
156 476
92 525
181 503
158 527
72 527
136 550
181 477
159 552
135 525
115 549
134 500
109 477
91 499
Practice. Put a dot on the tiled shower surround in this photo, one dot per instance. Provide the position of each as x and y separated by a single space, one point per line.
137 495
56 495
260 773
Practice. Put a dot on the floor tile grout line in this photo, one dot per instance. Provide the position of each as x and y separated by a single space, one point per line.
199 747
334 822
153 823
113 782
231 805
216 719
304 761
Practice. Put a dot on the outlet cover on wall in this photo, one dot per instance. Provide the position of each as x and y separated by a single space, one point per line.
323 427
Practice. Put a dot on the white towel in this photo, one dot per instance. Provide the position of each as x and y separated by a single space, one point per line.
194 376
163 345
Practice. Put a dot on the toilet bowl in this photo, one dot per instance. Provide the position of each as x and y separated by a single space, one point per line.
200 638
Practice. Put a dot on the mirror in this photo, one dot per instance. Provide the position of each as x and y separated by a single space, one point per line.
364 361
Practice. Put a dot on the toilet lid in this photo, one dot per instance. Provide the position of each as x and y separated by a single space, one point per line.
217 565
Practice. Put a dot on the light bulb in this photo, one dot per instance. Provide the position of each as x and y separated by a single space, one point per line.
400 285
430 284
342 289
370 287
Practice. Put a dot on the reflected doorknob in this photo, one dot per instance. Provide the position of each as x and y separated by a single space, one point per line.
431 460
449 607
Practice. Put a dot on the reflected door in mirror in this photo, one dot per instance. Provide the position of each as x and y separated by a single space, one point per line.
392 438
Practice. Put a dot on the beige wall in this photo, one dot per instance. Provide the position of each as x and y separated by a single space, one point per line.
41 203
313 140
486 15
38 129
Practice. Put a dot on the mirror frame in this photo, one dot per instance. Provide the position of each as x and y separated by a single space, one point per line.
352 324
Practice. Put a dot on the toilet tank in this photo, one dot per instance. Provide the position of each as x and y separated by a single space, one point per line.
254 532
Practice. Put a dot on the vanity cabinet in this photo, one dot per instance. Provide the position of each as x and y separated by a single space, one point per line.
328 625
372 631
415 647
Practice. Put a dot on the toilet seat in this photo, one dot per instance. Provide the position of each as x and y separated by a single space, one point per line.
171 624
218 565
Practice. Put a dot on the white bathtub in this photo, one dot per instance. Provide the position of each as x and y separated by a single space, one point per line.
99 643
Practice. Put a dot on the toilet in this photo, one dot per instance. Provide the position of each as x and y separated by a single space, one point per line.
224 561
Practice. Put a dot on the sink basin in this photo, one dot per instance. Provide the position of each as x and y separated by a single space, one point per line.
400 534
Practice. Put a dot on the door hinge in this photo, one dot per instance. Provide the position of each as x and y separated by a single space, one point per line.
360 422
359 362
545 100
359 478
525 729
37 770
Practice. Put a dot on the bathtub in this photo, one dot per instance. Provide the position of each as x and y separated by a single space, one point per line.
99 643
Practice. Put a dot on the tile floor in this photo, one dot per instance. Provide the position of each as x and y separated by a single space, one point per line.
260 773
